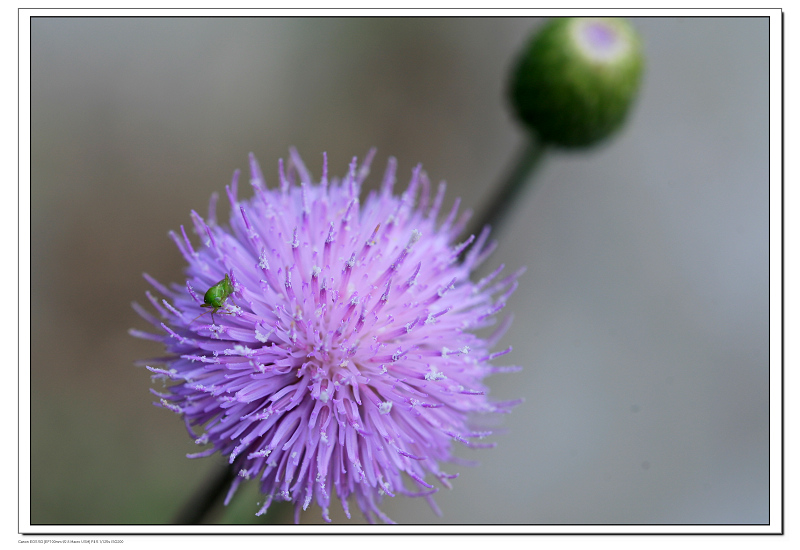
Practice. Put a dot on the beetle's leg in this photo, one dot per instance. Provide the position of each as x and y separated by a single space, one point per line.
196 318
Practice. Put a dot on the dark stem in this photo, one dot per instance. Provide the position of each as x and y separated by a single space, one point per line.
197 509
509 191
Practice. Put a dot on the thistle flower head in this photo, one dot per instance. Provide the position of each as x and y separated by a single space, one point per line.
327 347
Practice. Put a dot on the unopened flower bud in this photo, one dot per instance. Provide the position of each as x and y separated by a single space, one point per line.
576 80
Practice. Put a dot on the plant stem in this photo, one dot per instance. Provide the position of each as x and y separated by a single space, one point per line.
508 192
197 509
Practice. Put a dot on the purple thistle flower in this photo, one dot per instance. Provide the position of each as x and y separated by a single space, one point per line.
342 354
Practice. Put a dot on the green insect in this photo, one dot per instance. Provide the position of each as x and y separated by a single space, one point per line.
215 298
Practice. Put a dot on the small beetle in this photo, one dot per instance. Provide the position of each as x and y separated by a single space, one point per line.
215 297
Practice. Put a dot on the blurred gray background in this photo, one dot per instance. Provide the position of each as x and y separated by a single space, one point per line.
642 321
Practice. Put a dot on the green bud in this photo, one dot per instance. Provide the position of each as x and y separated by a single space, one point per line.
576 80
